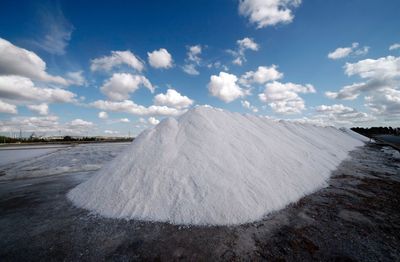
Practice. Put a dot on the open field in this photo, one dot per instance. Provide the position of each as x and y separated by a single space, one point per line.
355 218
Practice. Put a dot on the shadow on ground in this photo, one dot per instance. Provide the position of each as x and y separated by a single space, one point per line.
356 218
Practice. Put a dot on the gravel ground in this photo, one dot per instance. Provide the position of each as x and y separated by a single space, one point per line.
356 218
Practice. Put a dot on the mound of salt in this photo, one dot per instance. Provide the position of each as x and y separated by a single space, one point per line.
213 167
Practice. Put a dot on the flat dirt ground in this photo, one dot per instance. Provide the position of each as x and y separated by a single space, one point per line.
356 218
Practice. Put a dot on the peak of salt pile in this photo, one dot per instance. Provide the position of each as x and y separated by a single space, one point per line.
213 167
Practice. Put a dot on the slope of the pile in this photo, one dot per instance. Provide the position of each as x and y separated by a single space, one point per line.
213 167
354 134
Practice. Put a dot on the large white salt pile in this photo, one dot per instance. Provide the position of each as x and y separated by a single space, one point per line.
214 167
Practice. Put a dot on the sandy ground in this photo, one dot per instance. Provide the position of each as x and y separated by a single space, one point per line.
357 218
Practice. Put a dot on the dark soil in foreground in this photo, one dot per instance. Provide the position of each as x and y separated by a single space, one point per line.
356 218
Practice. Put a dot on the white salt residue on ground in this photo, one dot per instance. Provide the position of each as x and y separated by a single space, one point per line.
213 167
391 152
15 154
78 158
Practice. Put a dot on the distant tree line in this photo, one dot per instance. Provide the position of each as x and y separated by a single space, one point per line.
372 131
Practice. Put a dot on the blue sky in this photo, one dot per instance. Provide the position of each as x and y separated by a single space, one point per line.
324 62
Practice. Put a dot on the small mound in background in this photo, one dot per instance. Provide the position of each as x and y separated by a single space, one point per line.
213 167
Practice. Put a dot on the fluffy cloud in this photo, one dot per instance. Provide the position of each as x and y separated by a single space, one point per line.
339 114
381 73
18 61
117 58
78 127
190 69
118 120
261 76
381 68
386 102
103 115
394 47
128 106
46 124
284 97
41 109
342 52
153 121
218 65
247 43
194 53
30 124
246 104
124 120
7 108
243 45
120 85
193 60
111 132
160 58
349 92
173 99
336 109
265 13
80 123
225 87
22 89
380 85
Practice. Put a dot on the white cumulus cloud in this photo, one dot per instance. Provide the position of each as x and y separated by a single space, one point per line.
381 68
394 47
111 132
173 99
190 69
265 13
41 109
247 43
225 87
193 53
385 103
153 121
46 124
284 98
128 106
343 52
193 60
124 120
246 104
103 115
160 58
243 45
261 76
7 108
117 58
15 60
378 73
120 85
380 84
22 89
339 114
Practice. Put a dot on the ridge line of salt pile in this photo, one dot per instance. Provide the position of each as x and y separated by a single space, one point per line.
214 167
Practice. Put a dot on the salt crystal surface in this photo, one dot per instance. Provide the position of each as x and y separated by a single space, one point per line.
214 167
